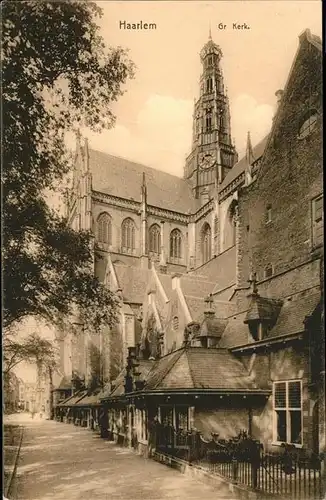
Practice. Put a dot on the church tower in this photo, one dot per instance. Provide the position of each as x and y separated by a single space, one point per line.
213 153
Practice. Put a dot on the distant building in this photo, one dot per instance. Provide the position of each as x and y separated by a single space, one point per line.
10 392
34 397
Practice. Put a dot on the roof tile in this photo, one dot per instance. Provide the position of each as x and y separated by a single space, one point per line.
293 313
133 282
123 178
199 368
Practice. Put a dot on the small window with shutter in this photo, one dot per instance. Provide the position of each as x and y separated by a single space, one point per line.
287 403
318 221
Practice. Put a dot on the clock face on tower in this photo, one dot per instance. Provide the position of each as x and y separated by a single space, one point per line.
207 160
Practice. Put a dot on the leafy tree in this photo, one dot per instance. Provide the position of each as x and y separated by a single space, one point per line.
31 349
57 75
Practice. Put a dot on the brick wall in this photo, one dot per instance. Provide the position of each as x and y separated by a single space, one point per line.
290 177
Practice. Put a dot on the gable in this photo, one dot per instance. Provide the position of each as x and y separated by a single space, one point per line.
302 92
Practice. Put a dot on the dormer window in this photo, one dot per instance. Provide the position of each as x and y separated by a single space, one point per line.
175 323
308 125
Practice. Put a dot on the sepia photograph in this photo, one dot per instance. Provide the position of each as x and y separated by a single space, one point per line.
162 250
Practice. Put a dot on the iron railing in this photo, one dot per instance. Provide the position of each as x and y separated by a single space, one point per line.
290 474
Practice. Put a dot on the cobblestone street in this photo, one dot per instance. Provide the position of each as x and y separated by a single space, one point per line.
60 461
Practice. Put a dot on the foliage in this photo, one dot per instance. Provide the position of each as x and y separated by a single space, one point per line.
57 75
32 349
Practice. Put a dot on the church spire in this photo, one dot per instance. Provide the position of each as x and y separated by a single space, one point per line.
249 151
213 153
249 161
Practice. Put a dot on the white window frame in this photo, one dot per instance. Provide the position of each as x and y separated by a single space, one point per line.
287 410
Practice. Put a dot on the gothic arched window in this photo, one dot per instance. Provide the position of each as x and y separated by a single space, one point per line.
128 235
176 244
155 239
104 228
209 84
208 120
206 240
229 231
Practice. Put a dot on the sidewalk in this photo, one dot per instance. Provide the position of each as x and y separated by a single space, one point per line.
12 439
60 461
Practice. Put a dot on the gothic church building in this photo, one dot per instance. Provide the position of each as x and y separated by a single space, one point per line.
218 272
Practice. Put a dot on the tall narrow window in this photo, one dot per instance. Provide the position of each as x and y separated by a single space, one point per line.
206 238
287 403
128 235
181 418
176 244
209 85
208 121
318 221
104 229
166 415
155 239
229 232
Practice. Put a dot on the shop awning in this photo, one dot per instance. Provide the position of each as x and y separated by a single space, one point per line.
92 399
72 400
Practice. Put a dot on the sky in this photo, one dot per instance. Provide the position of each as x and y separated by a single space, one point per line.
154 117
